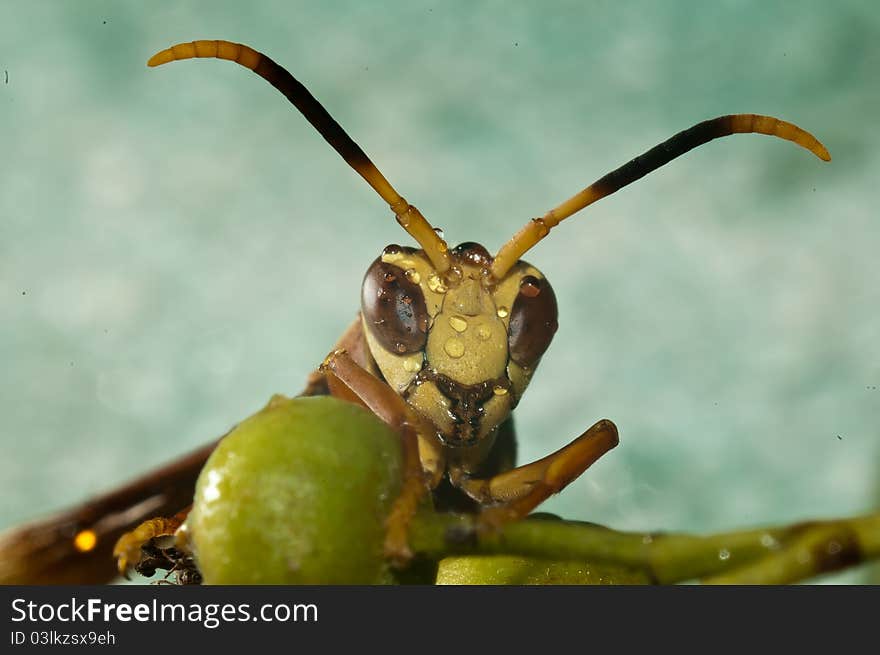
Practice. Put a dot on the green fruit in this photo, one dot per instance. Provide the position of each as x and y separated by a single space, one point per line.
513 570
298 494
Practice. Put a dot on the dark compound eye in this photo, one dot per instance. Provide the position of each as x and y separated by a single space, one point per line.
533 321
394 309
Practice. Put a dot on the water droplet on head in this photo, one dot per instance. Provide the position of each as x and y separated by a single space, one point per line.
724 554
484 332
412 275
454 347
435 284
412 364
389 277
401 348
498 390
453 276
530 289
457 323
502 312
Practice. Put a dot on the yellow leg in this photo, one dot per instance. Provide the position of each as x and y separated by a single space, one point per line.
127 550
513 494
423 459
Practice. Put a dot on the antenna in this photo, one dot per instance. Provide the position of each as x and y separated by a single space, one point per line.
701 133
409 217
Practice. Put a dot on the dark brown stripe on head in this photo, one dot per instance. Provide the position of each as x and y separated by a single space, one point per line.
466 404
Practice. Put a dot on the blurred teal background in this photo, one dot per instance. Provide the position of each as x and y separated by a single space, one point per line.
178 244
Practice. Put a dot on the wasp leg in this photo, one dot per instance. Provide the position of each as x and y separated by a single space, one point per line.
423 459
128 549
352 341
511 495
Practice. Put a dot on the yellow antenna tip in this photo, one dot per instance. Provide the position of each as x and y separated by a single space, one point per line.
160 58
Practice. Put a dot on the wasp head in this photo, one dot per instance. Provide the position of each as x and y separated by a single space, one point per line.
459 346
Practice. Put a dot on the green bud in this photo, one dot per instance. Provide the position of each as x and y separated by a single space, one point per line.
298 494
514 570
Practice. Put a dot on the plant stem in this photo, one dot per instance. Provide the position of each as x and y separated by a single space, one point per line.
761 556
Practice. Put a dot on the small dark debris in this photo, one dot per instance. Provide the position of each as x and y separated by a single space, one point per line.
839 438
24 293
168 559
7 76
104 22
516 44
71 364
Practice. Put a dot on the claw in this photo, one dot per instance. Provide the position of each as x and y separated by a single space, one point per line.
327 364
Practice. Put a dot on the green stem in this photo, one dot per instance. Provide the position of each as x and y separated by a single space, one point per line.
763 556
812 549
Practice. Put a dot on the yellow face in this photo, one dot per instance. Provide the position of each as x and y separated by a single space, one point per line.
462 347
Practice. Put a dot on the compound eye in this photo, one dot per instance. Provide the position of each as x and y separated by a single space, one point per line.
533 321
394 309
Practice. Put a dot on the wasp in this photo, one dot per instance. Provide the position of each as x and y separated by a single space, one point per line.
443 349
